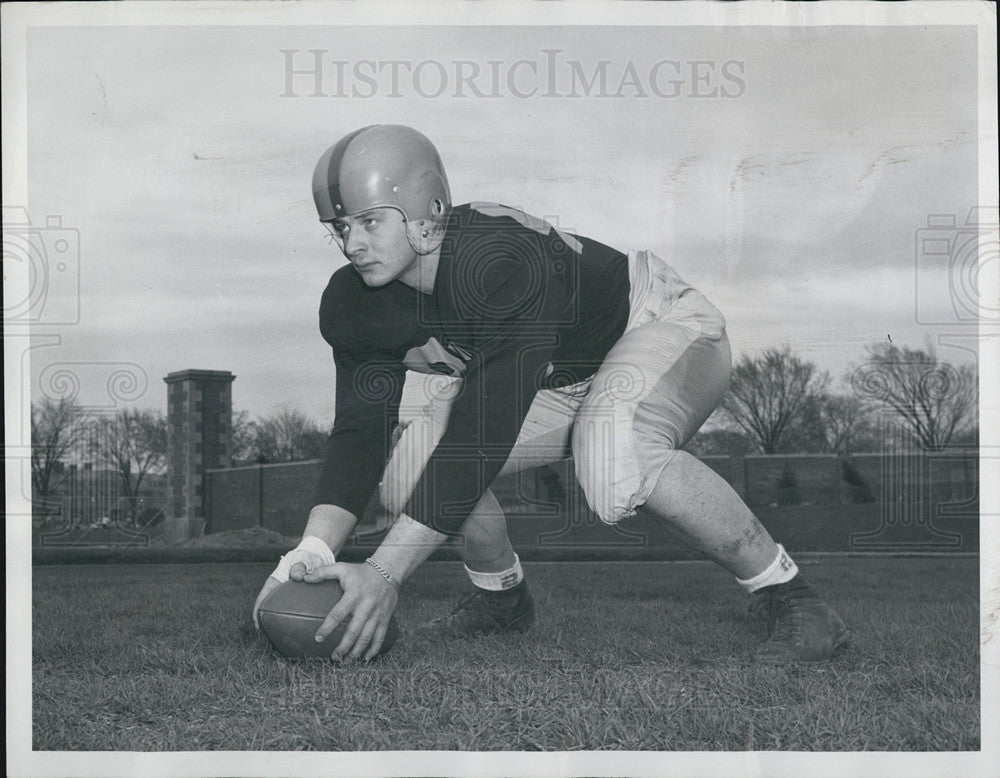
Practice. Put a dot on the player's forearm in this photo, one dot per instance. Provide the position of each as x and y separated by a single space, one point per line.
406 547
332 524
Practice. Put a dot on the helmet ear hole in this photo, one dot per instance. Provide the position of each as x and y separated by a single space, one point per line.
423 237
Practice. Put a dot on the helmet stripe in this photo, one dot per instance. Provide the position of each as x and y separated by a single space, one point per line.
326 178
381 166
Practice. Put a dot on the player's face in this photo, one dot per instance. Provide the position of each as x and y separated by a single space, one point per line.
375 243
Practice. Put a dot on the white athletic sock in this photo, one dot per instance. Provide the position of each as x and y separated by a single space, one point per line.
497 582
781 570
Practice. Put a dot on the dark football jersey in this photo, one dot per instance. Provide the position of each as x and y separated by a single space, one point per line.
517 306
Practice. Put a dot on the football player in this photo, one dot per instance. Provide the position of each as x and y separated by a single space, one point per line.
560 346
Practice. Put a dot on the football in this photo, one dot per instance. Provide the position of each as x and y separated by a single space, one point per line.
290 615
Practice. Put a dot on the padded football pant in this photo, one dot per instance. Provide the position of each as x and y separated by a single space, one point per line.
657 385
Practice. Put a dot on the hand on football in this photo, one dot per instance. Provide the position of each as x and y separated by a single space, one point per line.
295 564
269 584
368 599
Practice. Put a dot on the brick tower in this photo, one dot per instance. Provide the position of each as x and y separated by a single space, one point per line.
199 430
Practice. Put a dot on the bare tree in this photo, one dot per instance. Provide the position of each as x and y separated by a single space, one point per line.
769 396
935 401
717 438
56 427
839 424
133 443
288 436
242 439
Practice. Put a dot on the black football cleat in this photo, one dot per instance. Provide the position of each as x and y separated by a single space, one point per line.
800 626
483 612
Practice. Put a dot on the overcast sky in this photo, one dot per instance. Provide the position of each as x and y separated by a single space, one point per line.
783 172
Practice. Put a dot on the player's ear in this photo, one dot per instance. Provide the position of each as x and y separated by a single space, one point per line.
426 235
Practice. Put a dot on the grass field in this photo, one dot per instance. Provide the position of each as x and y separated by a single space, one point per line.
638 656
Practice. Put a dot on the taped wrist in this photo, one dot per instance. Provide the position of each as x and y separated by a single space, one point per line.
313 552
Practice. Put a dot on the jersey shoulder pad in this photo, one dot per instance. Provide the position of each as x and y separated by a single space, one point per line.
521 221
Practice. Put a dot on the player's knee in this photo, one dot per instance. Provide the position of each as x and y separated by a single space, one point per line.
612 512
605 469
611 502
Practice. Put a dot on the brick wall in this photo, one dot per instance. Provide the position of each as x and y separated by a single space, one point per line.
234 499
276 497
792 480
288 496
279 496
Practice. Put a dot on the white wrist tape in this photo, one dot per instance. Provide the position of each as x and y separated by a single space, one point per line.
313 552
